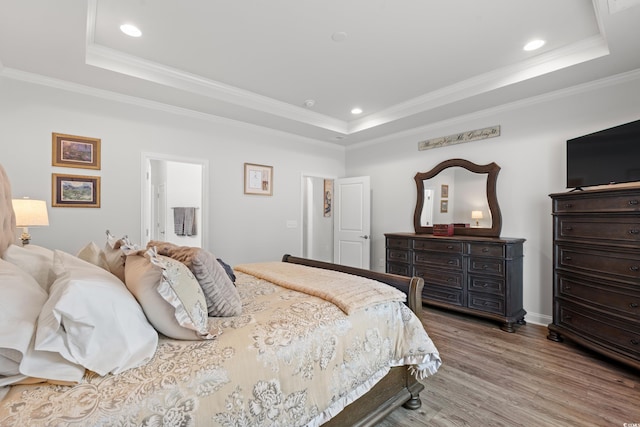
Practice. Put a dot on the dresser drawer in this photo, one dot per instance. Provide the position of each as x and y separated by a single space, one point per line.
398 255
606 296
610 332
486 265
438 259
439 277
597 203
484 302
605 263
397 268
488 250
492 285
617 230
397 242
450 296
445 246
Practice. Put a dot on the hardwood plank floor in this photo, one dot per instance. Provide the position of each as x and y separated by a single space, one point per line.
493 378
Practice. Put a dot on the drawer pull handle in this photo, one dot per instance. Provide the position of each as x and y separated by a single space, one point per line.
634 231
569 228
633 305
485 266
566 288
568 258
449 247
634 341
450 279
451 262
485 285
566 318
568 205
485 250
633 202
634 268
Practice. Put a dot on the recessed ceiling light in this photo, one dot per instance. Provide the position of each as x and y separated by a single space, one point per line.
356 110
534 44
339 36
309 103
130 30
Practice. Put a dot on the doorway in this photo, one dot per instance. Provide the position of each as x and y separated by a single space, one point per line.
171 187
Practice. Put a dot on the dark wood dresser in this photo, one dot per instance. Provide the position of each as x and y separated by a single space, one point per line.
596 271
481 276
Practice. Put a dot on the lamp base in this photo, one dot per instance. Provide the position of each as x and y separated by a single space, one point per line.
25 237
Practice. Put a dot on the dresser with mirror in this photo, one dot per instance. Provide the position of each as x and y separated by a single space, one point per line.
473 270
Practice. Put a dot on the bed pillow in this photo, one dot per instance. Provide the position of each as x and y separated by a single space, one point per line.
220 293
169 294
91 319
93 254
35 260
21 299
116 251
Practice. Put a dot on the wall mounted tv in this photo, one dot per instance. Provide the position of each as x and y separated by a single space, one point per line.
609 156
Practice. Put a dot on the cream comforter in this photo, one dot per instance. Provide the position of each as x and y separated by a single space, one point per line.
289 360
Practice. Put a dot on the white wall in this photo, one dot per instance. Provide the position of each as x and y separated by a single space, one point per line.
242 228
531 153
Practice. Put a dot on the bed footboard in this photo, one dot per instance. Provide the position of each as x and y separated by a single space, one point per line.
398 387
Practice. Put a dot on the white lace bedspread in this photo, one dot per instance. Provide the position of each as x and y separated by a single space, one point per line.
289 360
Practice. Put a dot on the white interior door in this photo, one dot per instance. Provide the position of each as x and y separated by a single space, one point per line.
352 222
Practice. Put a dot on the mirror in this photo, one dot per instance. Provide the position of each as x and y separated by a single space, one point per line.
459 192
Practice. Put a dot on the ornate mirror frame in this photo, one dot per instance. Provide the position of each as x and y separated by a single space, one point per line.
490 169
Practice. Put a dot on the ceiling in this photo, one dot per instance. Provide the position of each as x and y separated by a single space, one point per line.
405 63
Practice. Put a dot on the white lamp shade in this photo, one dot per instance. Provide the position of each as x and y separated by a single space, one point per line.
476 214
30 213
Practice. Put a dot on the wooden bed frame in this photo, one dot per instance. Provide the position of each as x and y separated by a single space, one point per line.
398 387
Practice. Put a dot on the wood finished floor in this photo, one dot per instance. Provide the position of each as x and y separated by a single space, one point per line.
493 378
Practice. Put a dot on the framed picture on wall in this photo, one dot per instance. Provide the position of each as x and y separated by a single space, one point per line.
444 191
75 191
444 206
328 197
73 151
258 179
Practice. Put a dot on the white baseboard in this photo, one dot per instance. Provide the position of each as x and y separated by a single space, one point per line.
538 319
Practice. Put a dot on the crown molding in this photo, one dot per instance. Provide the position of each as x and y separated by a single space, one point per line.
419 132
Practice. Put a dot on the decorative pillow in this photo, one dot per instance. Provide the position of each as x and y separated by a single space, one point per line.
94 255
92 319
220 293
115 251
228 270
169 294
35 260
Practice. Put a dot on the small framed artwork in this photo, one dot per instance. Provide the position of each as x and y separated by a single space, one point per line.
328 197
71 151
444 206
258 179
75 191
444 191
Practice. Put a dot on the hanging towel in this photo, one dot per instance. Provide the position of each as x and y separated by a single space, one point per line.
184 221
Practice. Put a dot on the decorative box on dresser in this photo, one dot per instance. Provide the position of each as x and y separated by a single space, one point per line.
596 271
481 276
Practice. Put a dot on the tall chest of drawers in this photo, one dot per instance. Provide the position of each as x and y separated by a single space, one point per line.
596 271
481 276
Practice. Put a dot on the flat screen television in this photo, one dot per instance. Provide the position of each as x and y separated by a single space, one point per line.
609 156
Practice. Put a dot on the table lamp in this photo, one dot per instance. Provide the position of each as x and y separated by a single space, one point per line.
29 213
476 215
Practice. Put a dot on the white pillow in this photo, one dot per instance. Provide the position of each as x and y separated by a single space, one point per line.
170 296
91 319
94 255
35 260
21 299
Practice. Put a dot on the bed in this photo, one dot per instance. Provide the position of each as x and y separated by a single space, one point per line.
299 353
